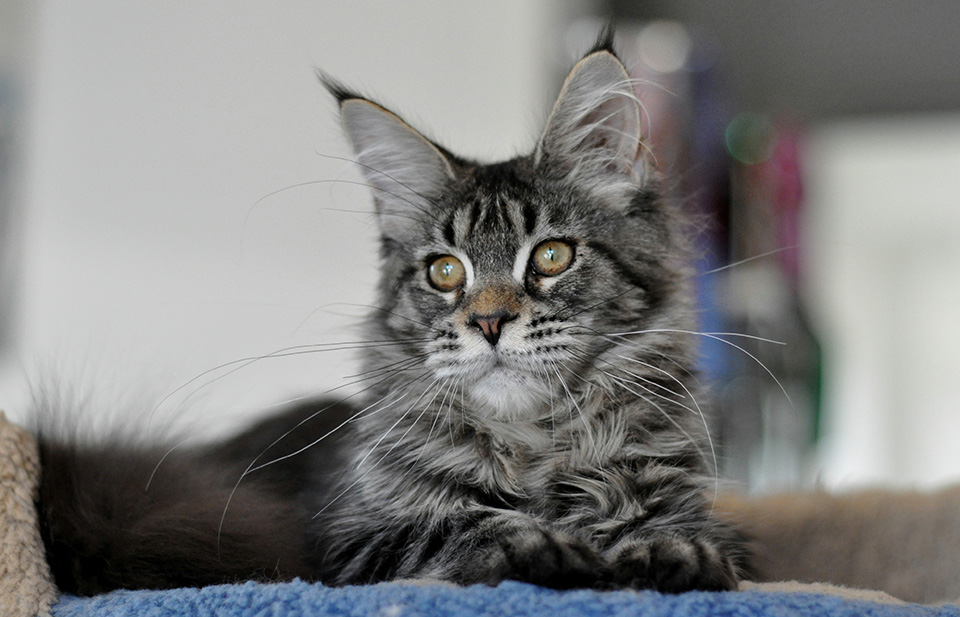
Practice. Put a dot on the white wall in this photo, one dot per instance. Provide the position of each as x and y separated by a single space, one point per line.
884 257
155 128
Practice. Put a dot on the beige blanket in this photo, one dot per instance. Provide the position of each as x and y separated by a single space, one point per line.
26 586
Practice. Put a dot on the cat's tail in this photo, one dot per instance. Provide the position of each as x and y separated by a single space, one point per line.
119 514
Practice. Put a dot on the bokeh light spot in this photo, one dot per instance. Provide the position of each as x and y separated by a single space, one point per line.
750 138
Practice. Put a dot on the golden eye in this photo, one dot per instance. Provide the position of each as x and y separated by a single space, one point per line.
552 257
446 273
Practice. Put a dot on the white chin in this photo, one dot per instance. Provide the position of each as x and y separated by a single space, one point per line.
508 395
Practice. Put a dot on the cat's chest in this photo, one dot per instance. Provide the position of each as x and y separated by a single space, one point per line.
522 460
511 456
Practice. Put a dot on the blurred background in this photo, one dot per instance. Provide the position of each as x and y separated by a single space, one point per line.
170 201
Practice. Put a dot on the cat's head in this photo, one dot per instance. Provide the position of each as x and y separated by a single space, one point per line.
511 279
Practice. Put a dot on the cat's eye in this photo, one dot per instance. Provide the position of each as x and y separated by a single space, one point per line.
446 273
552 257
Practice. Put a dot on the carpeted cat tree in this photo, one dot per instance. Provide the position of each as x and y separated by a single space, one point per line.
27 589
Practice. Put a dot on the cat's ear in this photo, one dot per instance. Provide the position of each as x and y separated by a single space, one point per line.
405 169
594 128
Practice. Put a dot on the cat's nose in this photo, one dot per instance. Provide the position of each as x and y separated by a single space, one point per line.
491 325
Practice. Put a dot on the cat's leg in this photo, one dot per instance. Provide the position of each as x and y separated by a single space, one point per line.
487 545
466 546
672 543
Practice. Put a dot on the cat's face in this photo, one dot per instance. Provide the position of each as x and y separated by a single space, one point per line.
512 277
508 280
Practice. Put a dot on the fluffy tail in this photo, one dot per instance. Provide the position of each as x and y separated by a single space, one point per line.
117 515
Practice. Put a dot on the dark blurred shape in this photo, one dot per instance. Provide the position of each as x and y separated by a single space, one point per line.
824 59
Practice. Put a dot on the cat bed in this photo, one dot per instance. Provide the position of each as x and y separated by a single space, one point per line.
26 585
27 590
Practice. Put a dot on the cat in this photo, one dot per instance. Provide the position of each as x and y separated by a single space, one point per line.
531 411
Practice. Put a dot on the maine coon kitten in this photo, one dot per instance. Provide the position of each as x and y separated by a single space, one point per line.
531 412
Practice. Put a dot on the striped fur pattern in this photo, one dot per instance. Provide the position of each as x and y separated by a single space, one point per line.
570 451
521 421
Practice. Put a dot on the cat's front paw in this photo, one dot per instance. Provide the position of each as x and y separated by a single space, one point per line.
551 559
537 556
671 564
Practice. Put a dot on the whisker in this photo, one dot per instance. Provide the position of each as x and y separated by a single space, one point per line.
717 336
352 418
626 386
251 467
646 388
388 367
273 193
399 420
619 339
383 310
753 357
436 419
385 175
782 249
357 305
698 410
708 334
284 352
160 462
374 466
586 427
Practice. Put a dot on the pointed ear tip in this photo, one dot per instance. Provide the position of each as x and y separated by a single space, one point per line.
339 91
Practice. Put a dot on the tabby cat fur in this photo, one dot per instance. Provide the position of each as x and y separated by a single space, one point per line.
531 410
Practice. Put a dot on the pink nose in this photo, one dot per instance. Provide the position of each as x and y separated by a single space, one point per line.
491 325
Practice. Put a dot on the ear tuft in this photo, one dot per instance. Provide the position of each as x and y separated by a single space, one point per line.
604 40
336 88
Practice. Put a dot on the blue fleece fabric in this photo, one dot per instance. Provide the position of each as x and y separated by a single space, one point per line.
297 599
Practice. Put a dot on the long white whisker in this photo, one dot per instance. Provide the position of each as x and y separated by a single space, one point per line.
645 388
352 418
717 336
436 419
251 467
241 363
709 334
160 462
375 465
782 249
586 427
399 420
698 410
626 386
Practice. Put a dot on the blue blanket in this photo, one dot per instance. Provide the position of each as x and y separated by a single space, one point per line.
515 599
